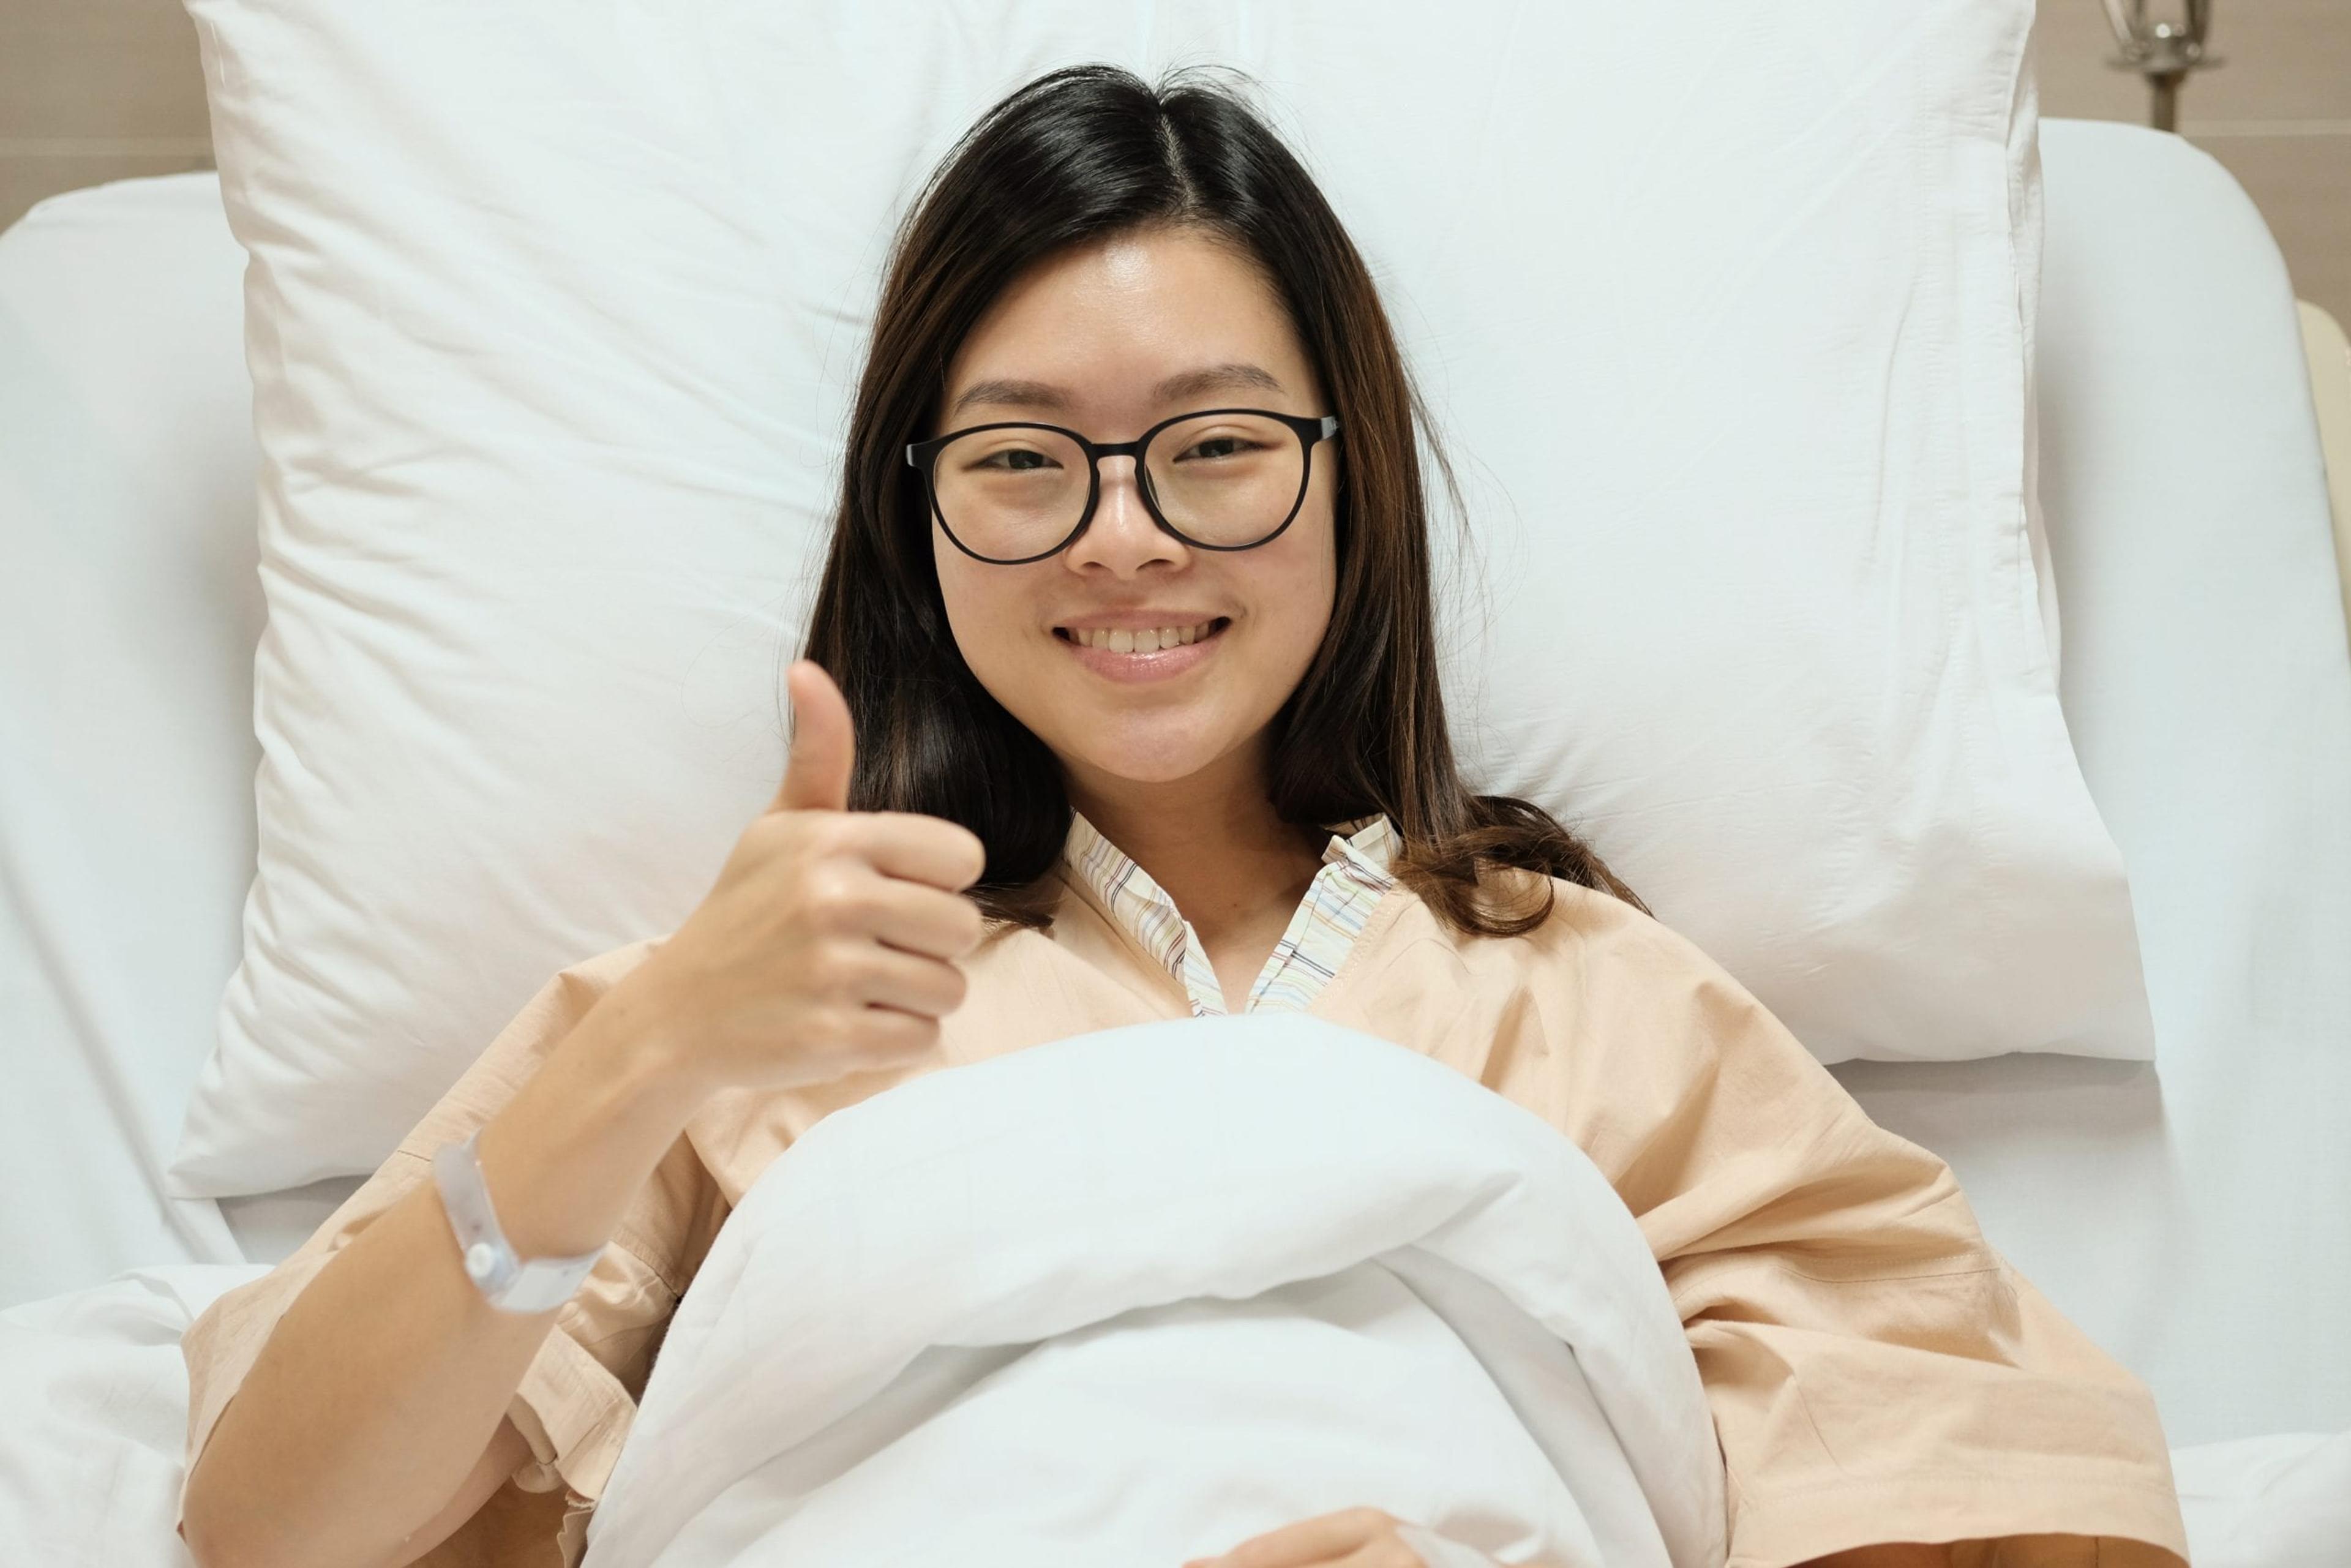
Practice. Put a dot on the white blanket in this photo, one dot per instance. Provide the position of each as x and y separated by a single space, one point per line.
1134 1297
980 1216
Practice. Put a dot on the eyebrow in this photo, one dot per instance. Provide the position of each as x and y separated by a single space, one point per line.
1232 377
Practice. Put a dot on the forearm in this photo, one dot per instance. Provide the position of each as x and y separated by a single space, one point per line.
380 1389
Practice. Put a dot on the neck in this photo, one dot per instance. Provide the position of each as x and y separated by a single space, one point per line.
1211 842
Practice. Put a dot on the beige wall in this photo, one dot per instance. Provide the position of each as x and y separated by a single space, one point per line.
97 89
92 90
2276 112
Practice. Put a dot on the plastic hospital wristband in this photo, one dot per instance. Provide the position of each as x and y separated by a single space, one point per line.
508 1283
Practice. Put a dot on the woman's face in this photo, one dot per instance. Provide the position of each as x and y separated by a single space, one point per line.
1109 339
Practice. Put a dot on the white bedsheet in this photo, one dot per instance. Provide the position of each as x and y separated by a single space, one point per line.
128 611
96 1402
1136 1296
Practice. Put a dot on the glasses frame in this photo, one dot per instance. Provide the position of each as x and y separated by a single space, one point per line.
1310 430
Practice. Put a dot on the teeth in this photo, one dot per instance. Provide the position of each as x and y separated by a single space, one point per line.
1151 641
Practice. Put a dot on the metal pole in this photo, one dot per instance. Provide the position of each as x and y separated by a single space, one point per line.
2164 52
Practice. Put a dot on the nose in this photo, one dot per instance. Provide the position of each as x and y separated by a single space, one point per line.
1123 539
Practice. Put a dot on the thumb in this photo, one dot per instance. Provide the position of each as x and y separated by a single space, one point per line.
824 743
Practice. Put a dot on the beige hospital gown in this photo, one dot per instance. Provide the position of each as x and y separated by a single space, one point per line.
1874 1369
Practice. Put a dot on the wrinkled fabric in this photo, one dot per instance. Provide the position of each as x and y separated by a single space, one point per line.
1138 1295
1875 1371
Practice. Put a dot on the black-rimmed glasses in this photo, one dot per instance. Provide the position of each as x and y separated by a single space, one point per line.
1220 478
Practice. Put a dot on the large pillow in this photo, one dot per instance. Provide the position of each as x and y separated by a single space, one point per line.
553 310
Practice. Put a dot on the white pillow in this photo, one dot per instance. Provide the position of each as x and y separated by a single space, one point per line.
554 311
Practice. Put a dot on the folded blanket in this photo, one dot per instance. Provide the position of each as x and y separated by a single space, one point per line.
1134 1297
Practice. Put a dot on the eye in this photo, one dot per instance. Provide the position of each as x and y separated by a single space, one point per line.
1016 460
1216 447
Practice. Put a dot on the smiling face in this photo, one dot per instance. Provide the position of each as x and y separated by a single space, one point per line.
1110 339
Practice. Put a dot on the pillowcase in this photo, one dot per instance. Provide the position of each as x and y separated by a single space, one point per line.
554 313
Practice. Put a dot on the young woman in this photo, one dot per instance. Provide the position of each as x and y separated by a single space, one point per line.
1121 704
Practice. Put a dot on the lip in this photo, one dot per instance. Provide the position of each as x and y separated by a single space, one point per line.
1162 664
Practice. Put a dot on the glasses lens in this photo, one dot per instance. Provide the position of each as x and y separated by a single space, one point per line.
1226 478
1015 492
1011 492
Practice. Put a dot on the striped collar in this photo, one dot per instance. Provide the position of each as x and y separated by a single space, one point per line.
1353 876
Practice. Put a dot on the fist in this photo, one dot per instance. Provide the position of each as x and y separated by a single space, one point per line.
828 943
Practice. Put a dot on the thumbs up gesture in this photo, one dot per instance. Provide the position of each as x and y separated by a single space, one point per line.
828 943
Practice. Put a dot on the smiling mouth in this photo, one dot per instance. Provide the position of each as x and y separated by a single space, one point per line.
1153 640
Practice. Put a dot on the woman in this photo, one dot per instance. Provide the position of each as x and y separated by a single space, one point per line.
1137 716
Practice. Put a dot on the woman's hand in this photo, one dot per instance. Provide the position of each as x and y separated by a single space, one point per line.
1355 1537
828 945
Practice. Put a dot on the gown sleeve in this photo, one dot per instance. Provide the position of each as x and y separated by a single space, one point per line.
579 1395
1877 1372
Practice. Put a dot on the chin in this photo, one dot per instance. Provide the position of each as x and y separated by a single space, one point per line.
1163 769
1138 753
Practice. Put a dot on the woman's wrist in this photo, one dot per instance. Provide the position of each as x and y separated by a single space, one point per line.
567 1155
640 1041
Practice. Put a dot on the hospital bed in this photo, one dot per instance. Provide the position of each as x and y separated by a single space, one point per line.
2193 1214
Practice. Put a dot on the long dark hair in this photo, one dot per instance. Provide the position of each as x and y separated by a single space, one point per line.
1077 155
